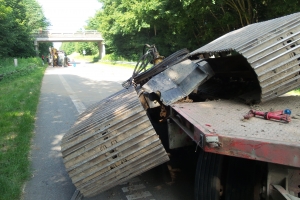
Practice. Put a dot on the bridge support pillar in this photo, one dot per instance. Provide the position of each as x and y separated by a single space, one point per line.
36 47
101 48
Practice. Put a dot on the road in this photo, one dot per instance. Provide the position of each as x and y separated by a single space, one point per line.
65 93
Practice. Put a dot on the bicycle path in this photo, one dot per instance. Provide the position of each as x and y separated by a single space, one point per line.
64 93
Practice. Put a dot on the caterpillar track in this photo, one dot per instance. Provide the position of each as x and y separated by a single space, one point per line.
112 142
114 139
270 50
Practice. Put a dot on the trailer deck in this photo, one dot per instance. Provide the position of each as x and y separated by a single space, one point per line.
219 127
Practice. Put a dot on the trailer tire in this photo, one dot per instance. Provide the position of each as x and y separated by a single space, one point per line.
208 176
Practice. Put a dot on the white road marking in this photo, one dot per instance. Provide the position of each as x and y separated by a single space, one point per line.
139 195
133 187
78 104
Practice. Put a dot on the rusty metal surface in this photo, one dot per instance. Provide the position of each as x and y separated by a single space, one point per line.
256 138
271 48
110 143
178 81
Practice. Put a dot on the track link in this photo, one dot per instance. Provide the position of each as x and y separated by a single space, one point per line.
111 142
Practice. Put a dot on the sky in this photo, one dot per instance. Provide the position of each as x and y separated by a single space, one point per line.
68 15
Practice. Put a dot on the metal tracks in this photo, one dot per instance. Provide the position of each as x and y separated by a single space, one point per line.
110 143
271 48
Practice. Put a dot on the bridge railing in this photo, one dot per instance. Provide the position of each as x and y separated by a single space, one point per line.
50 34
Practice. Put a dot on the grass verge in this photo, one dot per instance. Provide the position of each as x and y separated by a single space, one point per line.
107 60
18 104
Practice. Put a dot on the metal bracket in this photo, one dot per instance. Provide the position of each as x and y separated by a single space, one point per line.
201 141
282 194
282 182
213 141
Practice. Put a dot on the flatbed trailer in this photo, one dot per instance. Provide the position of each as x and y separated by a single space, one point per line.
219 127
222 133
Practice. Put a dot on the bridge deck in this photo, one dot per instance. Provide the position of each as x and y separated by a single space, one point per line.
49 36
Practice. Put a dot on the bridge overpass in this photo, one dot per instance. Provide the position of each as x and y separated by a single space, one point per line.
78 36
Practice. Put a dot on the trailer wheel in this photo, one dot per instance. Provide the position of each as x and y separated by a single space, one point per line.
208 180
229 178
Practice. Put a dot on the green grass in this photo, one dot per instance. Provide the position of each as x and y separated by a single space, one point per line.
89 58
18 104
107 60
25 65
294 92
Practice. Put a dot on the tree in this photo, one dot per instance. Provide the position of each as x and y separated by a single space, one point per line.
35 18
91 48
6 18
127 25
15 34
280 8
68 47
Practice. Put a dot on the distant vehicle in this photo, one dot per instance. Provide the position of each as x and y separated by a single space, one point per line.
58 58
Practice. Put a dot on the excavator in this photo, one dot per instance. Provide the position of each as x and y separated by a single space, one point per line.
58 58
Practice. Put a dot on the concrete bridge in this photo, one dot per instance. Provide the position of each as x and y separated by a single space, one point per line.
78 36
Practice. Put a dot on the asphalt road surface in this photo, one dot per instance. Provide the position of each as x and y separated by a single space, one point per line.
66 92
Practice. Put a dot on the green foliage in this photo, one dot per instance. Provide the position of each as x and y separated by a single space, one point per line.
280 8
127 25
113 57
18 104
6 16
68 47
18 18
44 48
91 48
34 16
36 20
25 65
